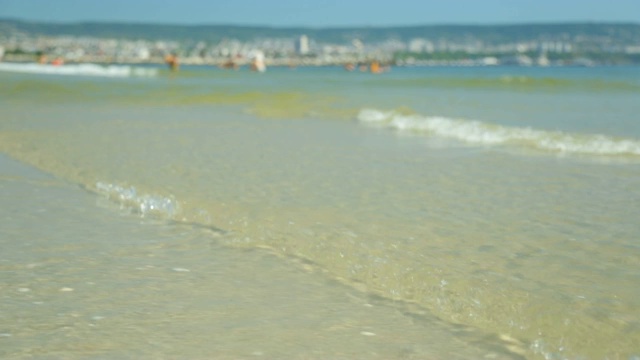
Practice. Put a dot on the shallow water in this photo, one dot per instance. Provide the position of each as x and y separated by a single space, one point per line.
502 200
80 280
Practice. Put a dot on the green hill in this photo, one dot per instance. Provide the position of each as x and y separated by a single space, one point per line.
491 34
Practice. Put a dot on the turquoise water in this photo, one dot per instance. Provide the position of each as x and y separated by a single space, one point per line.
501 199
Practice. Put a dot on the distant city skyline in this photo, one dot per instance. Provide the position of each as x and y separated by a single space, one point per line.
327 13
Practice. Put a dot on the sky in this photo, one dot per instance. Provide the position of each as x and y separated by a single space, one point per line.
323 13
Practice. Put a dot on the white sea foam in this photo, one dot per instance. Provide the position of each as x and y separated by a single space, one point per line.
144 204
79 69
481 133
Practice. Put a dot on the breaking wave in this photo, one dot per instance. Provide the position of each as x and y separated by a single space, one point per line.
486 134
79 69
143 204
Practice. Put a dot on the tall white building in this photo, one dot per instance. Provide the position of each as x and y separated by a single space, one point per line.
302 45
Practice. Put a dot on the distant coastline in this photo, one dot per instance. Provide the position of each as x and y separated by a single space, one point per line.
572 44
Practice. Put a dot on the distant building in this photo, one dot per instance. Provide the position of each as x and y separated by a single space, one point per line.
543 60
631 49
419 45
302 45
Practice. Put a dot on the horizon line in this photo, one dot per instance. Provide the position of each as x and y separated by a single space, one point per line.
326 27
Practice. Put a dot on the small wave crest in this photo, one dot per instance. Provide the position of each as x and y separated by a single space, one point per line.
79 69
144 204
481 133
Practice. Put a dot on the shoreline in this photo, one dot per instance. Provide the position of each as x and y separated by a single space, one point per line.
82 280
293 62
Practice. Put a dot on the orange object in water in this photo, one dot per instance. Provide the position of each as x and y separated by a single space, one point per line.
375 67
57 61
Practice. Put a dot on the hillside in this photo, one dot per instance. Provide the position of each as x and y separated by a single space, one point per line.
491 34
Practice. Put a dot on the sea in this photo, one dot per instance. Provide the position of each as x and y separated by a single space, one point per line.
318 213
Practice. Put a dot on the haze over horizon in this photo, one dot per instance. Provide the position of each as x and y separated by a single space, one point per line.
323 14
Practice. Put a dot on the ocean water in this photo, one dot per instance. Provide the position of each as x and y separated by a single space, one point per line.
493 209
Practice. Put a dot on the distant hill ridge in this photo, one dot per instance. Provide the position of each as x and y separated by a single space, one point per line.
620 33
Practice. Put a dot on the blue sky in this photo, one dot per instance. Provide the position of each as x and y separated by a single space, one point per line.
323 13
